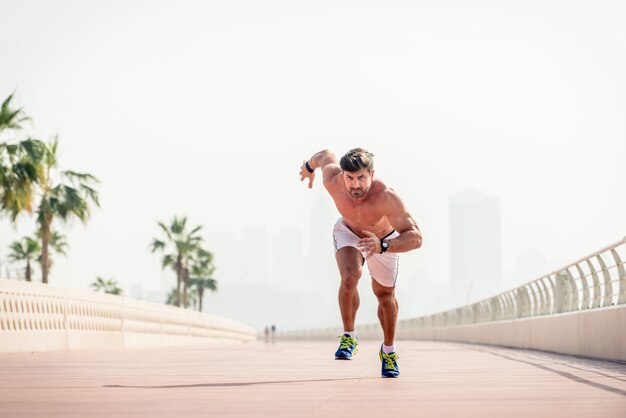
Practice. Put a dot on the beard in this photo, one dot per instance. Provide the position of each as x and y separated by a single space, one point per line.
358 192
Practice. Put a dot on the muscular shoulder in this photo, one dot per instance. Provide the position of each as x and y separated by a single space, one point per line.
381 190
389 199
331 175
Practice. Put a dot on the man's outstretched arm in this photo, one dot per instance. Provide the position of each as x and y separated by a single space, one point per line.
325 160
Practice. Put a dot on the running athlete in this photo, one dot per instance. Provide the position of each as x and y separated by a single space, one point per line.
374 227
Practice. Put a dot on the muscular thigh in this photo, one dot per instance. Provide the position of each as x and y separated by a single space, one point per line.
350 263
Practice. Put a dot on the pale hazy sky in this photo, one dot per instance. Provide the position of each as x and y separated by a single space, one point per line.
207 109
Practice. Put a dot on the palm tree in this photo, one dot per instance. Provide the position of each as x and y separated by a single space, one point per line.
201 270
20 163
107 286
64 195
28 250
178 245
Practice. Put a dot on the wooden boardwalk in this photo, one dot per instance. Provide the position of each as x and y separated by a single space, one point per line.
303 380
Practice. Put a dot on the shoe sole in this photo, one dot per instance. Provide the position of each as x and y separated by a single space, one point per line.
356 350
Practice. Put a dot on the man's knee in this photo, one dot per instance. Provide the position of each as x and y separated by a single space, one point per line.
385 295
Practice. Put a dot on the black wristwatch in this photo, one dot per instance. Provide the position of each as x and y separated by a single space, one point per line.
384 246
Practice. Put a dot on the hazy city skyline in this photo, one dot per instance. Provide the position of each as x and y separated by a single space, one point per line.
475 246
207 109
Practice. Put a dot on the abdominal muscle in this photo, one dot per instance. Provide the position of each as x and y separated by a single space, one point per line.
380 228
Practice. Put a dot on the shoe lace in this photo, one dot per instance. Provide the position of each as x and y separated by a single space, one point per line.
347 342
390 360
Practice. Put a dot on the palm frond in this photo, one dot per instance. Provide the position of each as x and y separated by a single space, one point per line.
58 243
98 284
196 229
166 230
157 245
204 283
168 260
34 149
11 118
20 170
17 251
81 178
50 157
178 225
65 201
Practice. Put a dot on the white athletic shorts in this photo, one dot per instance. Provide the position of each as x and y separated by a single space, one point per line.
383 267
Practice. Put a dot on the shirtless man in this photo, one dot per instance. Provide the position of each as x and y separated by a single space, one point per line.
375 226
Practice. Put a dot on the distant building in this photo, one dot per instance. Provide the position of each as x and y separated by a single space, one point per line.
475 246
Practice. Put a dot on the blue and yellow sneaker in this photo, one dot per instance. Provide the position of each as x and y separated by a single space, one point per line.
347 348
390 365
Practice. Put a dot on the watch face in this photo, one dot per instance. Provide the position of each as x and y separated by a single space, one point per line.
385 245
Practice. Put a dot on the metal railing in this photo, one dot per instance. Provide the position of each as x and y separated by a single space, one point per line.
595 281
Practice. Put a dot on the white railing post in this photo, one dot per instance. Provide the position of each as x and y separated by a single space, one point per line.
608 285
559 292
597 295
585 286
622 277
519 303
572 291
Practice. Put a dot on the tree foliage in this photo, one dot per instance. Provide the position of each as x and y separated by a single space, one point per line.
177 245
64 195
25 250
107 286
30 179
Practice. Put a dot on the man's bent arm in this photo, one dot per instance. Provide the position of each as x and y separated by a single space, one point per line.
410 237
322 159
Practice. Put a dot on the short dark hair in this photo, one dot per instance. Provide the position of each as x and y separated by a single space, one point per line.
357 159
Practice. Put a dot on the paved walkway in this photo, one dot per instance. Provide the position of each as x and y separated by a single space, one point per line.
302 380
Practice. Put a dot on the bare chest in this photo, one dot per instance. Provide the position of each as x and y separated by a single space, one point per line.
361 216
